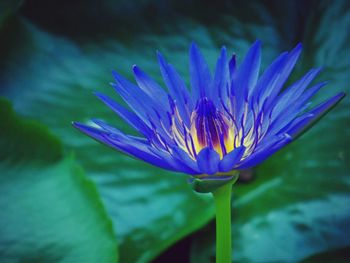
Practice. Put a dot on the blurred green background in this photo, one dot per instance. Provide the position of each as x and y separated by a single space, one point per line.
66 198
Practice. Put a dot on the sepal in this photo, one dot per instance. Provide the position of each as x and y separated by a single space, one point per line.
210 184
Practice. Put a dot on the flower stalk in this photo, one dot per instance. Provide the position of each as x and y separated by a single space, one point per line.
222 198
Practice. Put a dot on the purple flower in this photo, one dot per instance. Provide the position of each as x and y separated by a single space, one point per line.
230 121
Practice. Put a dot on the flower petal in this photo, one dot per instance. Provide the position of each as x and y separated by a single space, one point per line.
140 102
231 159
183 156
131 118
151 88
232 67
126 145
208 161
268 79
179 164
177 88
283 74
220 83
299 127
259 156
200 74
248 71
290 96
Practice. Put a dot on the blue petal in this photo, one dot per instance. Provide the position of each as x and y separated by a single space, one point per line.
106 127
246 78
283 73
151 88
208 161
177 88
309 93
311 117
96 133
130 117
188 100
248 72
221 77
154 91
261 155
268 78
232 67
183 156
179 164
125 144
288 116
200 75
111 129
290 96
231 159
140 102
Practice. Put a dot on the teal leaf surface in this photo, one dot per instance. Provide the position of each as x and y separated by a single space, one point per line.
41 193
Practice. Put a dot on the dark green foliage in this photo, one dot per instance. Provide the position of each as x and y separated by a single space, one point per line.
50 211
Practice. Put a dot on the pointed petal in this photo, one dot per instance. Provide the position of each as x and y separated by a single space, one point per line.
182 156
108 128
231 159
175 161
232 67
177 88
248 72
314 115
221 78
145 107
185 92
208 161
309 93
261 155
94 132
268 78
291 111
136 98
291 95
130 117
151 88
200 74
129 146
246 78
111 129
284 73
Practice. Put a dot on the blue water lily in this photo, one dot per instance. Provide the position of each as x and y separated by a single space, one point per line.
232 120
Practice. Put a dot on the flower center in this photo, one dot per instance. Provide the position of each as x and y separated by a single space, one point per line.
211 128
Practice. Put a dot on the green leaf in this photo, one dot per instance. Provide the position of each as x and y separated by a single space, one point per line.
20 138
50 211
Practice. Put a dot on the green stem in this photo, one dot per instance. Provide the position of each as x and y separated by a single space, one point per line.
222 198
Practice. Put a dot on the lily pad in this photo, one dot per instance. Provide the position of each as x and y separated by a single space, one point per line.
50 210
